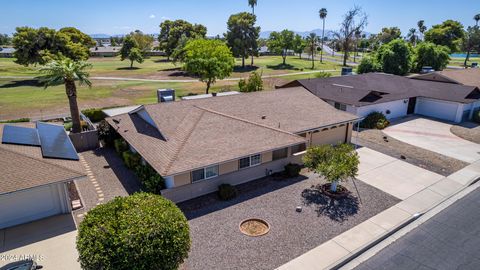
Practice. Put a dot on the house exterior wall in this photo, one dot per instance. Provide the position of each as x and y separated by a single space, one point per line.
446 110
266 157
186 192
330 136
397 108
228 167
229 173
182 179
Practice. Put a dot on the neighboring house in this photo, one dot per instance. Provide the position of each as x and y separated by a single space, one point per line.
198 144
6 52
105 51
395 96
35 172
468 76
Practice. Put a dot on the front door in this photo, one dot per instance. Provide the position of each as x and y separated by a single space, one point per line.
411 105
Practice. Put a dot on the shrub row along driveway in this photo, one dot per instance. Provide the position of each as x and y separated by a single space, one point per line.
217 242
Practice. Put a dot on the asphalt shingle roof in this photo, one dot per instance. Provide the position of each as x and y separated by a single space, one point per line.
373 88
23 167
196 133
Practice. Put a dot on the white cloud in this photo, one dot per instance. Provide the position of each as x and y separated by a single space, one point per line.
152 16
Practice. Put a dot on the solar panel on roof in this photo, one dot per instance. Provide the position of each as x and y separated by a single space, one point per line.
55 142
20 135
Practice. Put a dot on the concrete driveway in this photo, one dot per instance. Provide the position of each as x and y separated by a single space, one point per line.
434 136
51 242
393 176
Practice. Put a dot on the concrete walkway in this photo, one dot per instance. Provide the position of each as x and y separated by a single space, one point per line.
352 242
434 136
394 176
50 242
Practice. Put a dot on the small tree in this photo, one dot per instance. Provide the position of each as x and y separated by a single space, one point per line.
209 60
334 163
281 43
141 231
253 84
128 44
299 45
135 55
367 64
312 41
395 57
429 54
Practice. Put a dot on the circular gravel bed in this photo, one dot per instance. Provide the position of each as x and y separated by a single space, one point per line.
254 227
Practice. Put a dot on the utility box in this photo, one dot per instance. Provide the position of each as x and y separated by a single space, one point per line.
347 71
165 95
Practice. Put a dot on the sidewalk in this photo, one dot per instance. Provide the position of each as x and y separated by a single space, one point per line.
352 242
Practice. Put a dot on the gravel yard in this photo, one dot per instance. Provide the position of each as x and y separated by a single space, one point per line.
374 139
217 242
469 131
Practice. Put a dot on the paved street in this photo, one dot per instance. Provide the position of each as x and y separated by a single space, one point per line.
449 240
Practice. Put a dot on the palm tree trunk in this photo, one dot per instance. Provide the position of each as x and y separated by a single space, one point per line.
467 57
71 91
323 38
313 60
243 61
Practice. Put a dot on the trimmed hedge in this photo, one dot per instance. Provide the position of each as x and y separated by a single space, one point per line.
142 231
476 116
131 160
375 120
227 192
120 145
293 170
151 181
95 115
19 120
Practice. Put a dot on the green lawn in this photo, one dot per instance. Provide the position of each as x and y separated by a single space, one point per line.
454 61
24 98
159 67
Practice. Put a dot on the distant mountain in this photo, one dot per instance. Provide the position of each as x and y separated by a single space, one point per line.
99 36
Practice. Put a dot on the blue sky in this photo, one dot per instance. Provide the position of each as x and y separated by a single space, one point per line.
123 16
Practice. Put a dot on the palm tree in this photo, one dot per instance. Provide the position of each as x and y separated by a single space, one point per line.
476 18
66 72
323 14
312 41
412 36
252 3
421 26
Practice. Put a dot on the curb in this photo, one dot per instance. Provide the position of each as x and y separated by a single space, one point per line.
352 256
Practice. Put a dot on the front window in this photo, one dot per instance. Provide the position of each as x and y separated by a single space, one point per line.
280 153
244 163
255 160
211 171
340 106
249 161
198 175
205 173
298 148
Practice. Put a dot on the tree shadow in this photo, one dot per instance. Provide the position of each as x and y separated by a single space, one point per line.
282 67
245 69
336 209
128 68
12 84
162 61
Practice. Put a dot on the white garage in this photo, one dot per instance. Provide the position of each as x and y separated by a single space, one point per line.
32 204
446 110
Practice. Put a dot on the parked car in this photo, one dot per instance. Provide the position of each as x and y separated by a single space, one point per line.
426 69
22 265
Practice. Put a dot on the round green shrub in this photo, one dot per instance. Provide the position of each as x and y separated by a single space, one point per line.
292 169
227 192
142 231
375 120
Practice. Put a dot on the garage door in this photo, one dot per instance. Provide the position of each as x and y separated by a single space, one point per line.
29 205
437 109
